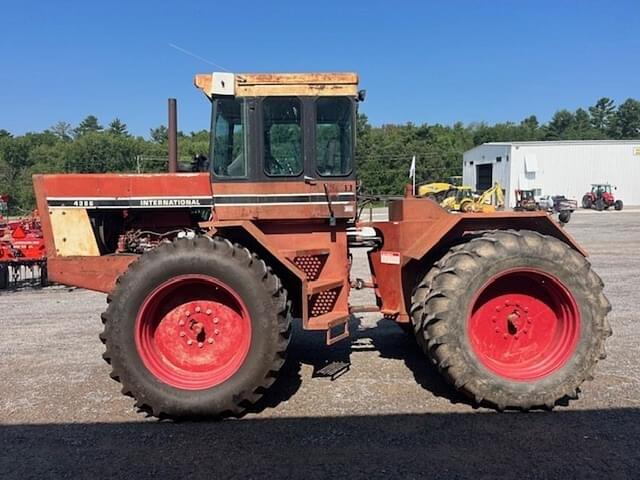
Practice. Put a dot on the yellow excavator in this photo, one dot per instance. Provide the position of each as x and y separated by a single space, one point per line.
460 198
488 201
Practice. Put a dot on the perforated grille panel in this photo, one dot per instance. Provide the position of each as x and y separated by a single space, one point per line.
311 265
323 302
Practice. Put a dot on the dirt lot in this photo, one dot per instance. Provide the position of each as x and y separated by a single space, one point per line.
388 416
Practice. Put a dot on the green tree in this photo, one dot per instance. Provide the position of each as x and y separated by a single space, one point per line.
581 129
62 130
626 123
88 125
602 114
531 122
117 127
159 134
562 122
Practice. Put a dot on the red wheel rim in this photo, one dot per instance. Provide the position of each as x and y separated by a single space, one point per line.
524 324
193 332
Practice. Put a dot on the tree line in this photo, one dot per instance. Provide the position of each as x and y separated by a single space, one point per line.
383 153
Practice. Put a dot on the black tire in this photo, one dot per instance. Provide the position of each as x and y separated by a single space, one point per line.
443 298
586 202
618 205
599 205
257 286
564 216
4 276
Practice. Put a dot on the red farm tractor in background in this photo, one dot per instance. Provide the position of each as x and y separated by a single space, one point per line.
205 272
601 198
22 248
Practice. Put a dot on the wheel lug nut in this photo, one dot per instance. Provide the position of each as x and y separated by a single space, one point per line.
182 334
216 320
208 312
529 320
189 342
494 319
187 313
497 330
200 344
516 337
210 340
181 323
216 331
197 309
505 336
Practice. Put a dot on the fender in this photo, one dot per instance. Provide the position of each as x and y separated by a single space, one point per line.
419 232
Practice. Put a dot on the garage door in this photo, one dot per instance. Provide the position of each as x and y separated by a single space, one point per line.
484 177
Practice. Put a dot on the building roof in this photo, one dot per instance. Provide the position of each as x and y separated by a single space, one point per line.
558 143
566 142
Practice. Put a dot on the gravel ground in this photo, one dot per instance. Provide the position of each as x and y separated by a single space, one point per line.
390 415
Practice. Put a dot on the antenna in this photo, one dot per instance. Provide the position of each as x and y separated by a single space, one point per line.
202 59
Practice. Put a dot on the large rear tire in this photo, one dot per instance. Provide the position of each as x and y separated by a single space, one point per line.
196 328
513 319
587 202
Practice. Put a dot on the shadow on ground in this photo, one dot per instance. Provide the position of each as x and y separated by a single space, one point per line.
577 444
308 348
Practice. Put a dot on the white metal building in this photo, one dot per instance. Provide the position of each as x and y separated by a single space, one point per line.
556 168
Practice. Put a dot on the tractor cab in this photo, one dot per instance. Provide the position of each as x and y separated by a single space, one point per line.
282 140
525 200
600 190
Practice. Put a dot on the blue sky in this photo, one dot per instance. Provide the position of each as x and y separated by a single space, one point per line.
435 62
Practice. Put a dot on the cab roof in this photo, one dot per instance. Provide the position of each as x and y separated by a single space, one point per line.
277 84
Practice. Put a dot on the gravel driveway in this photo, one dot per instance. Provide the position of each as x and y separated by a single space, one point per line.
389 415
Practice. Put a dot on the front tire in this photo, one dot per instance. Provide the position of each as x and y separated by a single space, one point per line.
564 216
618 205
4 275
513 319
196 328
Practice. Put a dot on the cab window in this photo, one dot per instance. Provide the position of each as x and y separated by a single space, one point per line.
334 136
228 147
282 136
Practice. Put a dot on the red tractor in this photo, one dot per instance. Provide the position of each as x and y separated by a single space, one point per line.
526 201
601 198
22 248
205 272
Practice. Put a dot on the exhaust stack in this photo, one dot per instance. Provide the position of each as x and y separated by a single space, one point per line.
173 136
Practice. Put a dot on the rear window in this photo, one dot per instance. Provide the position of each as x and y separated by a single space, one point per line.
334 136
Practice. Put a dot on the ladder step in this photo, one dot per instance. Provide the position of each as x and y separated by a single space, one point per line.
328 320
323 285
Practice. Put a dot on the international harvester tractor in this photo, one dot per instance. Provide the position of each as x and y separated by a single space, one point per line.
205 272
